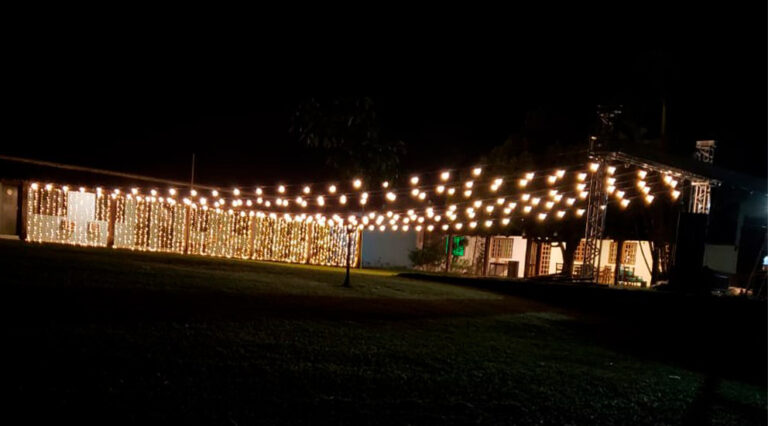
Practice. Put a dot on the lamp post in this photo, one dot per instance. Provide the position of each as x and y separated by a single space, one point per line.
349 252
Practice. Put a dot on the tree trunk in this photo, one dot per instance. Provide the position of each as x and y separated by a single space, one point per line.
449 254
616 273
655 259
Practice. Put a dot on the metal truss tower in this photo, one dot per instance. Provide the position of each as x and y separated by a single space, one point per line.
701 190
597 199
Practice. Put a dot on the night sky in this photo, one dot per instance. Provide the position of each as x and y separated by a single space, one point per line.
451 98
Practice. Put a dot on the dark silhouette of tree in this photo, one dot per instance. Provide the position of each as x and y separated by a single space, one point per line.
347 132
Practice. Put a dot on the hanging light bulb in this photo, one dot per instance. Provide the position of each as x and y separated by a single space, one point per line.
357 183
445 176
451 191
414 180
343 199
477 171
440 189
385 184
307 189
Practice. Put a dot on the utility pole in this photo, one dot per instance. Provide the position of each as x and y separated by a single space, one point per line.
192 178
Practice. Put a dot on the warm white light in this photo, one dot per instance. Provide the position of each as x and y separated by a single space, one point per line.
570 201
610 189
259 191
522 183
551 179
343 199
675 194
593 167
451 191
357 183
624 203
489 208
560 214
445 227
134 191
477 203
414 180
500 201
458 225
320 201
525 197
505 221
468 193
549 204
583 194
430 228
581 177
535 201
415 192
611 170
542 216
391 196
579 212
476 171
307 189
468 184
385 184
488 223
649 198
236 192
473 224
423 196
445 176
332 189
642 174
153 192
527 209
581 186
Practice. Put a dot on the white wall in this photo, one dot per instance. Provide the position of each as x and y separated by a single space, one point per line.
387 249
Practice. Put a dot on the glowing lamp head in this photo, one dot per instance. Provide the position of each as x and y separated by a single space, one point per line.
542 216
488 223
505 221
357 183
215 193
415 192
477 171
307 189
445 176
624 203
332 189
391 196
593 167
468 193
343 199
451 191
385 184
440 189
236 192
642 174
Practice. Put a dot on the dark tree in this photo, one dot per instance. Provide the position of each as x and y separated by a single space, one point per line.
347 132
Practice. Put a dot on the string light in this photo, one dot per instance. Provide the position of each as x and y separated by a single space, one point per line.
477 171
444 176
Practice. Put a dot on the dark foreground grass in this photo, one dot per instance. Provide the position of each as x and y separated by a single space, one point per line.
121 337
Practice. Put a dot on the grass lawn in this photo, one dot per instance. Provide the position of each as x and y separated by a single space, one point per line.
125 337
